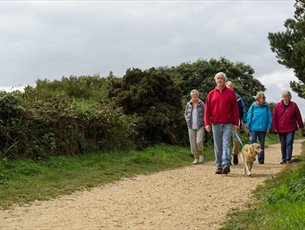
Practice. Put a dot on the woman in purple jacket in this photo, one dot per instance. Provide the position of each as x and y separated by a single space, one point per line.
286 119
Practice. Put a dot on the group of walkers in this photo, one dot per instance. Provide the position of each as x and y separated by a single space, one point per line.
224 111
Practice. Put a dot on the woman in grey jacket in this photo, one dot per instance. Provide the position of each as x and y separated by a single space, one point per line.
194 112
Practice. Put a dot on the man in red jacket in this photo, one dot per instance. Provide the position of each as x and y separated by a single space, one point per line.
286 119
221 112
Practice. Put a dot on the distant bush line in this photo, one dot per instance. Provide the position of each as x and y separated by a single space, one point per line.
77 115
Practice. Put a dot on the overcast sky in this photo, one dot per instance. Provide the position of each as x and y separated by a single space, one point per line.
51 39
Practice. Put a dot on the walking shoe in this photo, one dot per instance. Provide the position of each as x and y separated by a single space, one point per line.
283 162
261 162
235 159
289 162
195 162
219 171
226 170
200 159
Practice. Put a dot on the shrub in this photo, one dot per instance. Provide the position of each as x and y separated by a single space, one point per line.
60 126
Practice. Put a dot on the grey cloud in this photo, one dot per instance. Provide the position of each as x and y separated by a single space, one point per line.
52 39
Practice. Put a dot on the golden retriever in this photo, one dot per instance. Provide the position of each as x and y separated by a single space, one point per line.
249 153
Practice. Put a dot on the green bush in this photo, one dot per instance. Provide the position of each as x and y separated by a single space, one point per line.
60 125
153 97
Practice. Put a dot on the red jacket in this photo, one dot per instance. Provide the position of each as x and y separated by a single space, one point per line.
221 107
286 119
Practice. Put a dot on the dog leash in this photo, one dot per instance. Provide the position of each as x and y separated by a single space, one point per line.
238 138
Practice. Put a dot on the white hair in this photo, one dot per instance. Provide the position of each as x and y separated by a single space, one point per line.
221 74
194 92
286 93
229 83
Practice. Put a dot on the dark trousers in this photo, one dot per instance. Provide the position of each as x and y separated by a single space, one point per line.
286 145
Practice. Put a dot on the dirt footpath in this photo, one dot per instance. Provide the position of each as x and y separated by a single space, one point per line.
187 198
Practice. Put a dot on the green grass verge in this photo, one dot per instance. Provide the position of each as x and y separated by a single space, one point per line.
26 180
279 203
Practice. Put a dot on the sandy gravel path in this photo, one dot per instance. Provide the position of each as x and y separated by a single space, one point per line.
187 198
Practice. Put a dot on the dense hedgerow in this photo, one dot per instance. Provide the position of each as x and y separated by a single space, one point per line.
60 126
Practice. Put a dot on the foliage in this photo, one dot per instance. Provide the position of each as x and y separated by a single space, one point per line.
152 96
289 46
200 75
93 88
36 128
11 124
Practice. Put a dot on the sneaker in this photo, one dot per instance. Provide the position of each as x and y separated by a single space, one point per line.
200 159
261 162
219 171
235 159
283 162
289 162
226 170
195 162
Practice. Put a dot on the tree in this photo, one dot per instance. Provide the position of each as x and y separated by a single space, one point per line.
200 75
289 46
152 96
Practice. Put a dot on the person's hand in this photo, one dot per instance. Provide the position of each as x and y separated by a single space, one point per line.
245 128
235 128
208 128
274 131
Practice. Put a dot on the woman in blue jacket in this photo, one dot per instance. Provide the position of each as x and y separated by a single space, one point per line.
259 122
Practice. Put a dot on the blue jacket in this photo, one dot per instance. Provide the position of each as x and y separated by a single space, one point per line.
189 110
259 117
